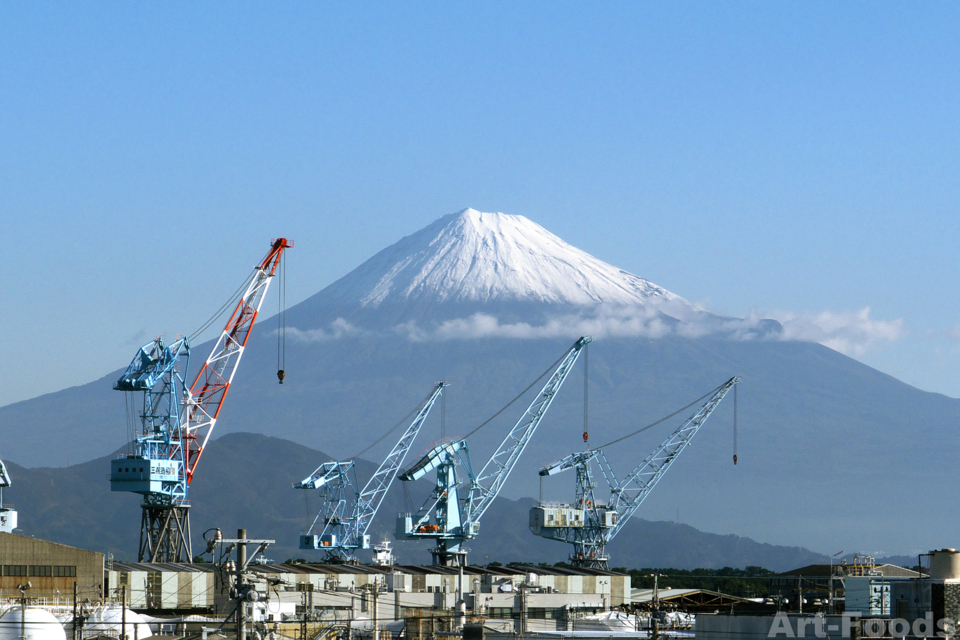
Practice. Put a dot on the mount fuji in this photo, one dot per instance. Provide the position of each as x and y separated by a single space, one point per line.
446 280
474 257
832 454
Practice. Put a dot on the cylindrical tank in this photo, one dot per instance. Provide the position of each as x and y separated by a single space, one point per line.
107 621
37 624
945 564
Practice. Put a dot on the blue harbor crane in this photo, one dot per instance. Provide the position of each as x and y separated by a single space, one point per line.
590 525
176 420
455 521
346 514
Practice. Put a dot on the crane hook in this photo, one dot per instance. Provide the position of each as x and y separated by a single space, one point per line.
280 375
586 436
734 459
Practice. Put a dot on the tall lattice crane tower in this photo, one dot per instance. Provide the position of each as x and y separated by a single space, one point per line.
176 421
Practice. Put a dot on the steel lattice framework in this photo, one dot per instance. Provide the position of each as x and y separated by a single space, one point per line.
454 524
333 530
176 422
599 523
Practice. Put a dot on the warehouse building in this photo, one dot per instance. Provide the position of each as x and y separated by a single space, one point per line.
49 567
322 591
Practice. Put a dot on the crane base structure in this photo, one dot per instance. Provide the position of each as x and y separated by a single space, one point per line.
165 533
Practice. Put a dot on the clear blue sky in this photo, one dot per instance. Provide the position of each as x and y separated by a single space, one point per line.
798 159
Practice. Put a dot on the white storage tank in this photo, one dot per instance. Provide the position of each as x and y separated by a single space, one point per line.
107 621
945 564
37 624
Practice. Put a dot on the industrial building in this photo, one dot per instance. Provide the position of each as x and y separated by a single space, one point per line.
49 567
876 604
813 586
547 598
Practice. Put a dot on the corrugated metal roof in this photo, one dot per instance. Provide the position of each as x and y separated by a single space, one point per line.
823 570
646 595
365 569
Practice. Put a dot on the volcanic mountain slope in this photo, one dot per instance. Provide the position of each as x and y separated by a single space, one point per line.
479 257
831 452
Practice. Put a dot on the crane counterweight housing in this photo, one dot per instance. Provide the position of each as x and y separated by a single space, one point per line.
590 525
8 515
176 420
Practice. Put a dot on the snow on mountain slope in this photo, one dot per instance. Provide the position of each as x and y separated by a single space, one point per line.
486 257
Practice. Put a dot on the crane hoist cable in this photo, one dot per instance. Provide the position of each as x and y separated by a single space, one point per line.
660 421
586 380
226 305
403 420
735 425
282 321
520 395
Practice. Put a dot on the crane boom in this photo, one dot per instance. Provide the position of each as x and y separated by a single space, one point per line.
215 377
494 474
371 496
627 496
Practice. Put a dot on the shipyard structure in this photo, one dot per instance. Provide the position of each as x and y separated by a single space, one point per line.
89 596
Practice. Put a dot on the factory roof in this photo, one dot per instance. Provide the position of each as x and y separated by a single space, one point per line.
823 570
363 569
687 598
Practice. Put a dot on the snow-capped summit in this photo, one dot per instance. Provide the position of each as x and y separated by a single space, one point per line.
472 274
475 257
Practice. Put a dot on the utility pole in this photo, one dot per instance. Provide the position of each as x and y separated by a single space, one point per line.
303 619
655 618
23 609
242 591
241 601
800 591
376 608
832 558
461 600
523 610
350 622
74 610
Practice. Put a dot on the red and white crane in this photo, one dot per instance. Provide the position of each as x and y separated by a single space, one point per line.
177 422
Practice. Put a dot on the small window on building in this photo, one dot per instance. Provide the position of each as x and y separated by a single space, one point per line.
14 569
64 572
41 570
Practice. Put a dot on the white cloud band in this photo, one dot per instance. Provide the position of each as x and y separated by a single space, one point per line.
852 332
